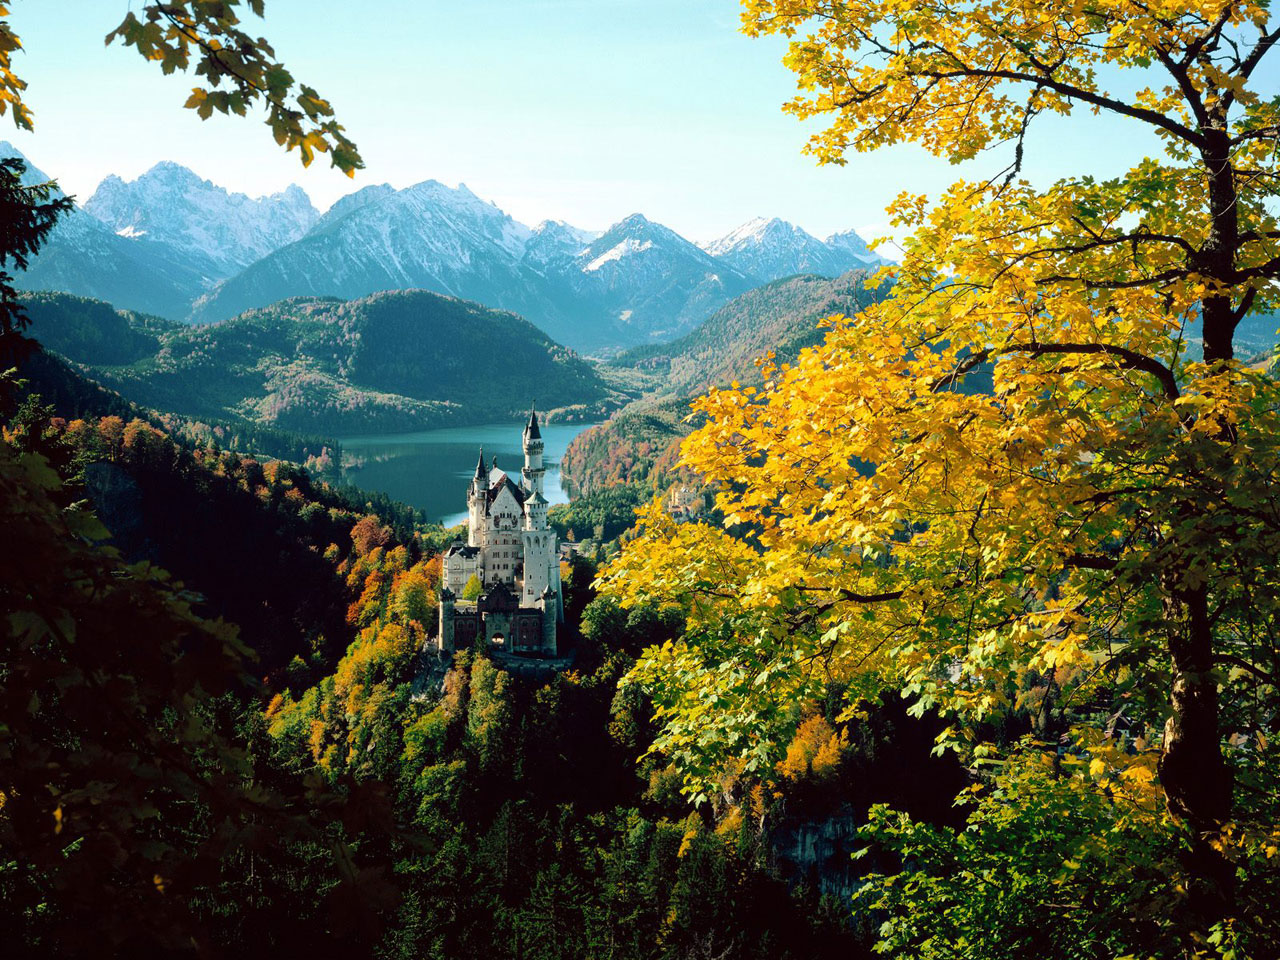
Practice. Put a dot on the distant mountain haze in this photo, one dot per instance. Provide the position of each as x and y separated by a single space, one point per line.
83 255
173 244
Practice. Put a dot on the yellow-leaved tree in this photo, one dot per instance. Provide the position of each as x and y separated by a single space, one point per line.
1036 479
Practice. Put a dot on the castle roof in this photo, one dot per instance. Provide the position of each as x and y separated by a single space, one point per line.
480 465
461 549
503 482
531 430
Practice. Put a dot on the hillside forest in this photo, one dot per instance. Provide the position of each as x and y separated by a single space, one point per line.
930 610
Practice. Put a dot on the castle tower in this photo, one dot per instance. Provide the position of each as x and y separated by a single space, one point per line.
539 550
533 470
550 601
445 639
476 494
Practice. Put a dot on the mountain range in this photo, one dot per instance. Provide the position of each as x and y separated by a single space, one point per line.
173 244
222 231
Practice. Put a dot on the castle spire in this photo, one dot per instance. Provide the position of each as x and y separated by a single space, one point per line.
480 465
531 431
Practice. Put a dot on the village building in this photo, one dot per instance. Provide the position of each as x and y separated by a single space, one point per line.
514 556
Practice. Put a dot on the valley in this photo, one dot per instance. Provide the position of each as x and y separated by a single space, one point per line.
399 570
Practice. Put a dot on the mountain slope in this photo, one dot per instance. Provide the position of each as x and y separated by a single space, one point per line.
83 256
223 231
91 331
399 360
781 316
638 282
651 282
554 243
172 244
848 242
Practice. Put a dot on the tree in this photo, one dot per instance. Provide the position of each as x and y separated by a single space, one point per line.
473 588
122 798
239 71
27 214
1013 485
367 535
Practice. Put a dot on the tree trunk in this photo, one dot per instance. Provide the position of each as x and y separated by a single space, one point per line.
1195 777
1217 257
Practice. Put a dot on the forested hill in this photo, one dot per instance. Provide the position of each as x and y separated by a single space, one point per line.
399 360
781 316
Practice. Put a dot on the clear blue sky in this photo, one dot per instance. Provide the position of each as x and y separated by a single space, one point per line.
582 110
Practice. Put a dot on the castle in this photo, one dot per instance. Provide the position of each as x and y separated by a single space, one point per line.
513 554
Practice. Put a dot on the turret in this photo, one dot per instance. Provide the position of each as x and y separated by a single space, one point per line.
550 608
539 549
445 638
533 469
535 512
476 495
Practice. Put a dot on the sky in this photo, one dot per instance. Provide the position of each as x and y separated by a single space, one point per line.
578 110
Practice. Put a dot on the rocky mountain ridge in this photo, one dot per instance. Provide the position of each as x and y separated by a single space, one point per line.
173 244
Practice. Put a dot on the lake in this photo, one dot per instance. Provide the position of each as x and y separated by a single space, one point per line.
430 469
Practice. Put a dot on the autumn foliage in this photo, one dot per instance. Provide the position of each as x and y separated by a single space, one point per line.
1013 490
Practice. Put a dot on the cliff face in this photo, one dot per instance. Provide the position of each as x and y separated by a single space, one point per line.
818 852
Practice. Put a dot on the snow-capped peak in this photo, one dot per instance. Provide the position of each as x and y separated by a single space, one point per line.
849 240
758 231
560 228
629 245
224 230
769 249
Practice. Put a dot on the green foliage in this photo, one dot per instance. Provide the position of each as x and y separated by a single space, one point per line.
114 762
208 39
603 514
91 331
250 537
473 588
637 446
536 834
1039 837
74 396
